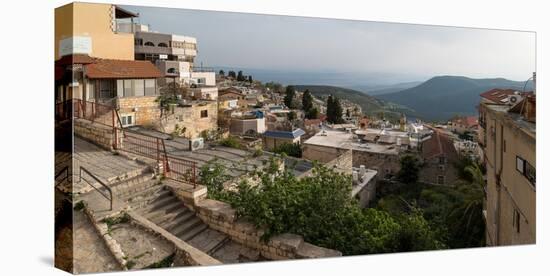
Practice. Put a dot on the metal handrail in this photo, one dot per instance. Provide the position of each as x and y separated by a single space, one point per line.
100 182
66 170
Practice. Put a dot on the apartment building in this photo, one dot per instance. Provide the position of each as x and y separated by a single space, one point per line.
509 146
95 33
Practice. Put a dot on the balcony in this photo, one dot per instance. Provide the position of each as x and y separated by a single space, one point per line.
142 49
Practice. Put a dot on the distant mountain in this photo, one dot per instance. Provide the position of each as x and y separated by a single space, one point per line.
385 89
442 97
369 104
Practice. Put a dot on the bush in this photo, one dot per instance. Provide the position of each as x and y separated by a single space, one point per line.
289 149
321 209
231 142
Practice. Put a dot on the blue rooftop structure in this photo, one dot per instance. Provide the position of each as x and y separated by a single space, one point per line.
285 134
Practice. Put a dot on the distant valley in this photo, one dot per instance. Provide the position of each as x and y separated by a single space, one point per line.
442 97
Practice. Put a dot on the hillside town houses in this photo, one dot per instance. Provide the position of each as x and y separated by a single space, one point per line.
162 106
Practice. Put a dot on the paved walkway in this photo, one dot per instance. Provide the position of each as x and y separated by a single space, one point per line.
105 165
90 252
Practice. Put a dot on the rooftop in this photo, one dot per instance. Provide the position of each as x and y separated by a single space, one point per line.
121 69
345 140
515 118
285 134
438 144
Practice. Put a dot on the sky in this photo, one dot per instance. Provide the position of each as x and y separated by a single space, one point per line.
403 52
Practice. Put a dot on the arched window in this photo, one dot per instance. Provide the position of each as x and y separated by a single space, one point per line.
149 43
162 44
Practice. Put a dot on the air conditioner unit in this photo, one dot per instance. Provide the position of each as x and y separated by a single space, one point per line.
514 99
195 144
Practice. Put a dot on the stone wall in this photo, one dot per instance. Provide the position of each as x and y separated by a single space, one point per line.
98 134
221 216
432 169
321 153
385 164
145 109
189 117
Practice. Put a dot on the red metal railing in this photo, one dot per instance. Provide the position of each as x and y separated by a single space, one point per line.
136 143
181 170
95 112
154 148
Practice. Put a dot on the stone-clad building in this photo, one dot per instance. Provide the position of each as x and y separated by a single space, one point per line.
438 157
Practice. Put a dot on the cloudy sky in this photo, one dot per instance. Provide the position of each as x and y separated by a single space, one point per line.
345 46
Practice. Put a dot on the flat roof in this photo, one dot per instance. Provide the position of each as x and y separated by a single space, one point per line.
344 140
514 118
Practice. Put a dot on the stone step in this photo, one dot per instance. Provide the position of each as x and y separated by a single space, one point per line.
189 229
209 241
179 219
159 204
146 196
155 214
169 216
218 245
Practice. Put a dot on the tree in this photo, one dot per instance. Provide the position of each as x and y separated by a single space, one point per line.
348 113
250 78
221 73
291 116
320 208
232 74
466 219
334 110
290 92
289 149
307 101
240 76
313 113
213 175
410 167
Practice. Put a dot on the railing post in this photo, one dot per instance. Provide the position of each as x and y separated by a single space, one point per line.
194 177
115 134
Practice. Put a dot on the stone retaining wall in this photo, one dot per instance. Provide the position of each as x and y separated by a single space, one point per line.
103 231
96 133
221 216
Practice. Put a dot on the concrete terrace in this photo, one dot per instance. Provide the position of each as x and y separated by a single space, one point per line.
237 161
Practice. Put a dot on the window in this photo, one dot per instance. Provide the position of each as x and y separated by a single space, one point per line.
503 145
128 90
105 91
138 41
139 87
516 220
441 167
204 113
127 120
440 179
162 44
526 169
150 87
442 160
149 43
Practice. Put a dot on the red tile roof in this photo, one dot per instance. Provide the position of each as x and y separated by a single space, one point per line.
439 145
121 69
74 59
469 121
496 95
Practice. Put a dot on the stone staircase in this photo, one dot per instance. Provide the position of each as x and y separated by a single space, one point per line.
160 206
